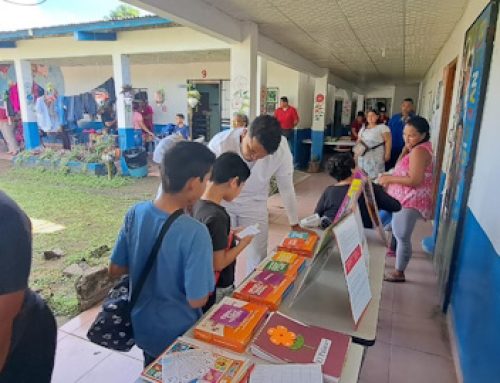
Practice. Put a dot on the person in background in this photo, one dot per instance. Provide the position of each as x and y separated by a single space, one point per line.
240 120
377 138
396 125
411 185
340 167
383 117
287 116
7 131
267 154
180 127
228 177
108 118
28 330
139 125
357 125
182 278
165 144
147 118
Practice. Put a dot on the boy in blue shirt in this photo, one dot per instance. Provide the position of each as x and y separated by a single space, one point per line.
182 277
228 177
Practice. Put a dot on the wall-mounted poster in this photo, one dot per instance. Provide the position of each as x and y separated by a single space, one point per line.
473 79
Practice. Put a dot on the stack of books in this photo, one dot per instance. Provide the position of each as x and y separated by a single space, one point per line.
285 340
289 264
231 323
300 242
192 361
265 287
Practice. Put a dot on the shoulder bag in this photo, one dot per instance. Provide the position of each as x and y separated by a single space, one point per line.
112 327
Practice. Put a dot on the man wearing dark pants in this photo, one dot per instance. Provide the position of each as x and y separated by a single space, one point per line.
288 118
28 329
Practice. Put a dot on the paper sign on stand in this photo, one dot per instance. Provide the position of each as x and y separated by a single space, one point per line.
356 274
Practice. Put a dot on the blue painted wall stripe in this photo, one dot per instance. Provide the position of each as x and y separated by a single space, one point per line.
475 304
31 135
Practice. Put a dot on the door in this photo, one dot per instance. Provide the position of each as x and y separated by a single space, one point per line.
207 116
449 80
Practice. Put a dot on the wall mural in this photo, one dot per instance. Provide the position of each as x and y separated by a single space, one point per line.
464 136
240 100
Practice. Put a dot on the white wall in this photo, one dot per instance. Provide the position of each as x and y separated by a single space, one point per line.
451 50
171 77
287 80
405 91
380 91
80 79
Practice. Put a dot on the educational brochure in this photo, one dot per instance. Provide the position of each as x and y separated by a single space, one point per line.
286 340
356 273
190 361
231 323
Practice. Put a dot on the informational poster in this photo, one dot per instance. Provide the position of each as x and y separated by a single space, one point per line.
346 112
356 273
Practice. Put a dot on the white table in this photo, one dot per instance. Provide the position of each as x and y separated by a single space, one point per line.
332 143
324 302
350 372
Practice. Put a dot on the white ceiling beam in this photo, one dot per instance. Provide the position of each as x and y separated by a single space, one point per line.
276 52
195 14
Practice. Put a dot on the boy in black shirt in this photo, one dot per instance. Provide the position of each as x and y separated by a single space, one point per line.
228 177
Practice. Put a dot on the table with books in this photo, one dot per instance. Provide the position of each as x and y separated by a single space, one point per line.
290 313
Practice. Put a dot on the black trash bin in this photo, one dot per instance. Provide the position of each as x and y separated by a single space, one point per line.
137 162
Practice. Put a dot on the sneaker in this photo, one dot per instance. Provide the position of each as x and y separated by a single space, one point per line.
391 253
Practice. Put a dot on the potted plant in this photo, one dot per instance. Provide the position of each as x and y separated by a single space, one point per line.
314 165
193 96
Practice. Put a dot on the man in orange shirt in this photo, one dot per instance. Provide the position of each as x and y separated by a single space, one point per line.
287 116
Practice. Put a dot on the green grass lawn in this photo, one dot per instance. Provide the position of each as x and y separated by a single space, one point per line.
91 209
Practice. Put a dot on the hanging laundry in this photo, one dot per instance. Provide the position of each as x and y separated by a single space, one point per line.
14 98
61 111
37 90
109 86
89 104
46 116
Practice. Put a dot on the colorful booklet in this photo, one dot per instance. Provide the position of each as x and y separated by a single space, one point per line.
283 262
300 242
285 340
231 323
264 287
188 360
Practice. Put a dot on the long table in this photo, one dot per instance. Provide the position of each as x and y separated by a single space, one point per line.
332 143
329 307
324 300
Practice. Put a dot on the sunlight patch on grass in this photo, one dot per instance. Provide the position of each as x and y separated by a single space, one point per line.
41 226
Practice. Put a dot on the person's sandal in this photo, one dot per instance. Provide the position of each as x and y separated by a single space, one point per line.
392 277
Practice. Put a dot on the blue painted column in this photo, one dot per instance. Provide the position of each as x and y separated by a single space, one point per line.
121 73
27 104
319 117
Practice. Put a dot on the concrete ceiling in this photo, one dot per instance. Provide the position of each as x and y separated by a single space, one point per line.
359 40
145 58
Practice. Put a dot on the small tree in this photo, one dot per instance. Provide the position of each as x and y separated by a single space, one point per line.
123 12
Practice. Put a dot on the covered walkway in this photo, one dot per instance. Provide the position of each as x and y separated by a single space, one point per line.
412 342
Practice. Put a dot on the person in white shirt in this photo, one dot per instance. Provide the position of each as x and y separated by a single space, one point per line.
267 154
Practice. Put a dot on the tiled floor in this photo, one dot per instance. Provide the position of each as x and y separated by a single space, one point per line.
412 342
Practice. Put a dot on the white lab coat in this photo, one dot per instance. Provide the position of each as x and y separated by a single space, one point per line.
251 205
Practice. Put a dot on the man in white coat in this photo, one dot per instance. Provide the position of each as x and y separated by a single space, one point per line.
267 154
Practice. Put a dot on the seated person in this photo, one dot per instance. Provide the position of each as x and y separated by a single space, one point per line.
108 118
341 167
181 128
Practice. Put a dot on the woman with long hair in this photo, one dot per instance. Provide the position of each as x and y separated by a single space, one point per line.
411 185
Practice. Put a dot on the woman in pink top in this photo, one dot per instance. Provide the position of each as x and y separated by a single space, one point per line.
411 185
